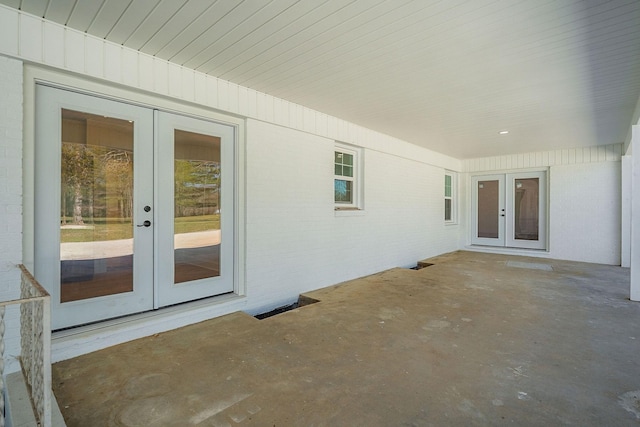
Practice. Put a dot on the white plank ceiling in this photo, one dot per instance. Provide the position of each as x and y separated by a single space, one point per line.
447 75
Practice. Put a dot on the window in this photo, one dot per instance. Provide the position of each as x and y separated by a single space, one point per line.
449 197
347 179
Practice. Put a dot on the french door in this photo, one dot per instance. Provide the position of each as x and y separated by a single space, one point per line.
133 207
509 210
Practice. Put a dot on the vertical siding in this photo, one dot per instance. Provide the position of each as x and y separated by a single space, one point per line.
43 42
602 153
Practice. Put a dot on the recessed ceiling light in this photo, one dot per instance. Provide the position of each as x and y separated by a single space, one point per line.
503 132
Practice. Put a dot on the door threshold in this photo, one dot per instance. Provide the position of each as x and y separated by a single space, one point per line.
73 342
538 253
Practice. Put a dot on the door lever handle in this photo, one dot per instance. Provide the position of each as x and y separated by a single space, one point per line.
147 223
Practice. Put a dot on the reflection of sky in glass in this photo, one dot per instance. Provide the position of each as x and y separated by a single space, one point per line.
341 187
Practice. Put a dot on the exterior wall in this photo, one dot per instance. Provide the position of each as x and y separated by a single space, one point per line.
11 197
291 237
295 239
584 199
584 218
634 213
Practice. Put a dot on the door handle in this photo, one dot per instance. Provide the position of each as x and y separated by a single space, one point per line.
147 223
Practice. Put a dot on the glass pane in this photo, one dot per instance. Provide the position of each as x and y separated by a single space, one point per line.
447 209
526 209
343 164
447 185
196 206
96 232
488 209
342 191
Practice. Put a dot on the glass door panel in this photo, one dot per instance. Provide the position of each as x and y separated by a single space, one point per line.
93 176
196 206
96 229
194 255
488 209
527 212
509 210
134 208
488 215
526 209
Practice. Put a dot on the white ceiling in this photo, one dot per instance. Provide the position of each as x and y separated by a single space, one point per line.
447 75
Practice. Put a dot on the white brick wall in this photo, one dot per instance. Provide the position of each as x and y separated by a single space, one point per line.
585 212
584 199
10 175
295 240
10 200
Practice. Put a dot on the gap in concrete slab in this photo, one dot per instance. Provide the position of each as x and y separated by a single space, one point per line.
421 265
302 301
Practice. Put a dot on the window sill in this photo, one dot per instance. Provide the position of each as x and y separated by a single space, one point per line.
349 212
450 223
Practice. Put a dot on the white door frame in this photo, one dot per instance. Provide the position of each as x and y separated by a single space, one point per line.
510 240
506 212
145 296
49 103
166 292
487 241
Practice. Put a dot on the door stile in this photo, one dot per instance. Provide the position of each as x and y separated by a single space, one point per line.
98 266
194 263
526 229
488 210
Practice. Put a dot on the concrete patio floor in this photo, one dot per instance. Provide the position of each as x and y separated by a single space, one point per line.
475 339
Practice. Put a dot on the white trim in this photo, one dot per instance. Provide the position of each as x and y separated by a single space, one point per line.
162 318
506 204
634 287
487 241
625 241
453 197
357 180
74 342
510 241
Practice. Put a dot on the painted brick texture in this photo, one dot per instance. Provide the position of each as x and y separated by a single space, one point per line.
585 212
10 175
295 240
11 81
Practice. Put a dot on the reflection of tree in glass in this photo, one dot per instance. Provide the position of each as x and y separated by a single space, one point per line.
197 186
118 167
77 174
97 184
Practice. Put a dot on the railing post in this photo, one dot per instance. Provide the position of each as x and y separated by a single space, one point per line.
35 335
46 356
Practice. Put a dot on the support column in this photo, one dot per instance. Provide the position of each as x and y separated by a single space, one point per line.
625 238
635 213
